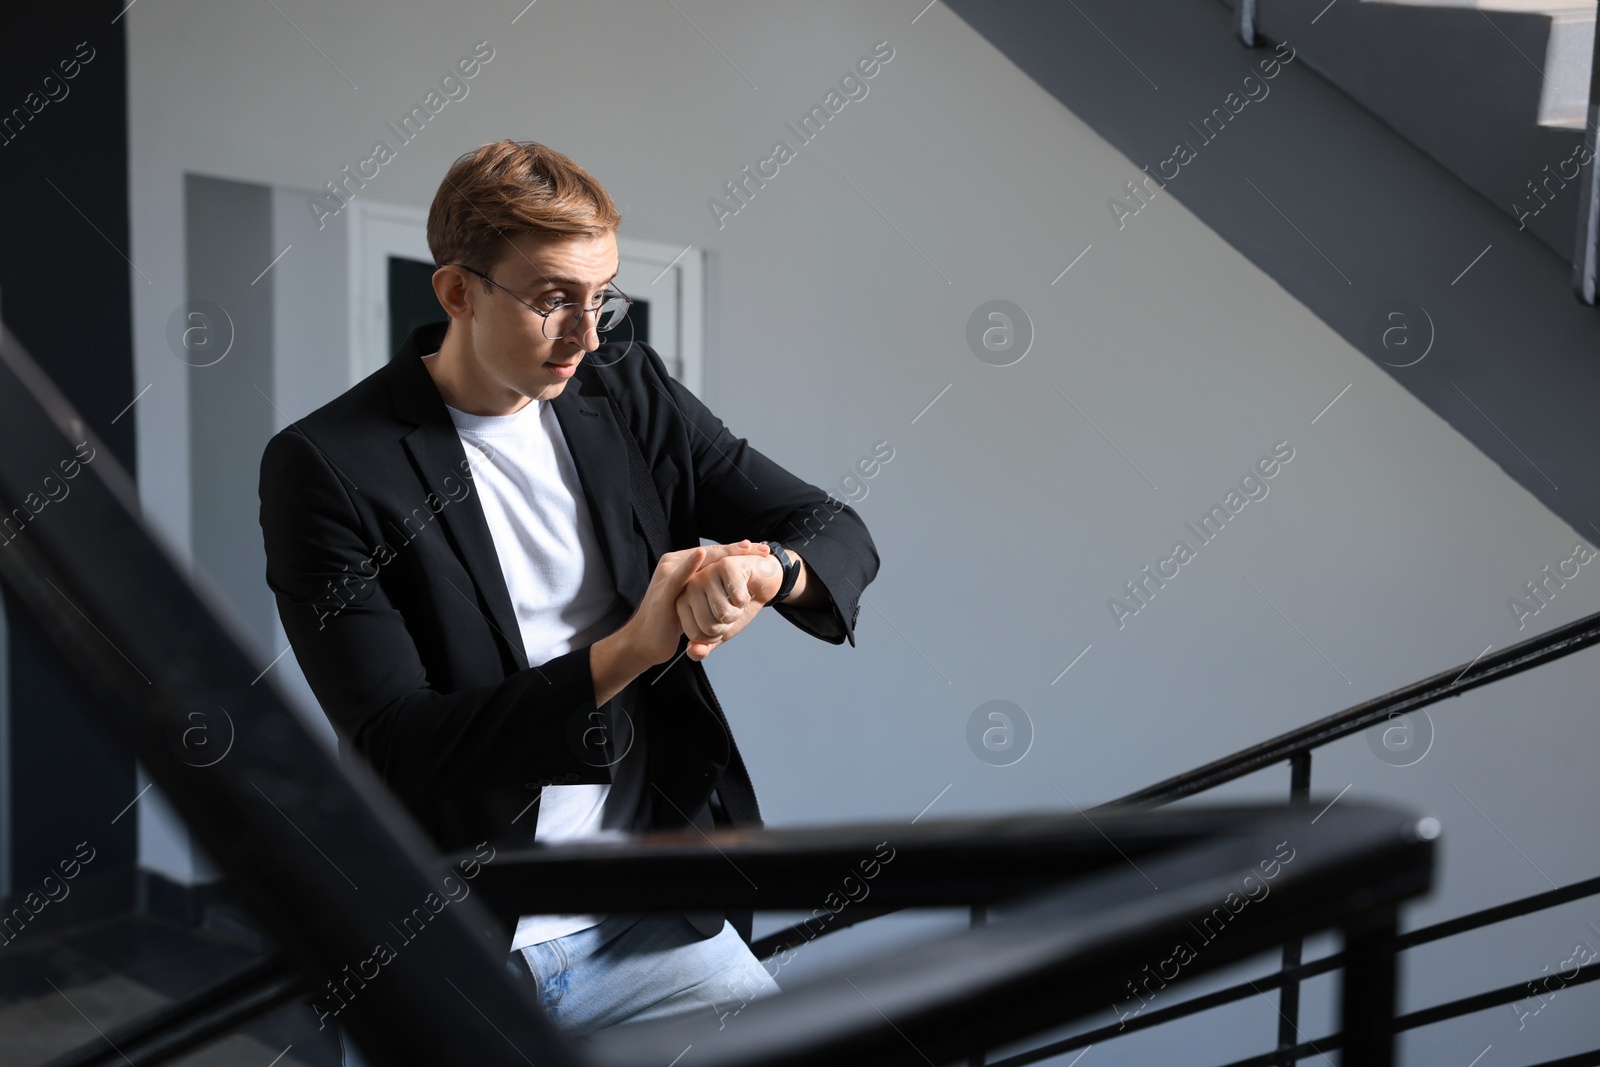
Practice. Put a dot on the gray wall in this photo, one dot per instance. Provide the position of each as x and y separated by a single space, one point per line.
1349 216
228 227
1163 365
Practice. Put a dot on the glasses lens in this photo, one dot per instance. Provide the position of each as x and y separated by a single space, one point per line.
611 313
560 322
564 320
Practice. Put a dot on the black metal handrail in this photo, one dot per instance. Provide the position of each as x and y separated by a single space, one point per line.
298 837
1295 747
161 667
1111 863
1324 965
1113 909
1536 651
241 999
1298 743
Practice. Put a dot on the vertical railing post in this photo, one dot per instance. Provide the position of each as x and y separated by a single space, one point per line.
1586 249
980 916
1289 994
1244 22
1367 995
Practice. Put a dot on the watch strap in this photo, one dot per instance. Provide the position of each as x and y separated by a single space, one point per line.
791 571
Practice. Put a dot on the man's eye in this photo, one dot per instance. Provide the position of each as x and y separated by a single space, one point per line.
551 300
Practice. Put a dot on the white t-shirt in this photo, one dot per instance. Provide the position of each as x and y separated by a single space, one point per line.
564 599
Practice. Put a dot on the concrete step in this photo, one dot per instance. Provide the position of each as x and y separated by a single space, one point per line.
1494 91
1568 51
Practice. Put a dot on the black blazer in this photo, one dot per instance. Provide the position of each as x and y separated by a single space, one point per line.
391 593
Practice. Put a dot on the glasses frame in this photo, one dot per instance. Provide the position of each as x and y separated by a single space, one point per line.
545 315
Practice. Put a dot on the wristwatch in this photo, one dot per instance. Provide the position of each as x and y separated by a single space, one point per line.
791 570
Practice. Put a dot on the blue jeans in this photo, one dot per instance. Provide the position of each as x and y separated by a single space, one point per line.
632 968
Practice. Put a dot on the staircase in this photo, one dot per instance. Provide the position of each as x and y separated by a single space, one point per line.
1497 92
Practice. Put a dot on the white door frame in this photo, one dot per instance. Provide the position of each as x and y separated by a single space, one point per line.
378 231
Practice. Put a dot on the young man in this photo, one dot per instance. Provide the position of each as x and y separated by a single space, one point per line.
456 546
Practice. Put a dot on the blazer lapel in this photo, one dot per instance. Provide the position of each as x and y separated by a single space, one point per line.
598 451
438 454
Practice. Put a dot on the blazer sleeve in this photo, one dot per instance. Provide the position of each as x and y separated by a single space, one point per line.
739 493
364 668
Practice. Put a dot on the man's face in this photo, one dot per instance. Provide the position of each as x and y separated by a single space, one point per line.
508 339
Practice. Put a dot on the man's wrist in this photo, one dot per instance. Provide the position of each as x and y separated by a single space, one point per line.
629 651
775 588
614 662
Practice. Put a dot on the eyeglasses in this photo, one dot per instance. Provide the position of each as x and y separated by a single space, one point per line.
564 317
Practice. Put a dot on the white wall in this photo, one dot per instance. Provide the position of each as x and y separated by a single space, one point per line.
838 304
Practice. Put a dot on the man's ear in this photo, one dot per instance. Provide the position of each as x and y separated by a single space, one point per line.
450 286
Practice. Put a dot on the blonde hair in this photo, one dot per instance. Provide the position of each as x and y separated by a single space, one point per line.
505 189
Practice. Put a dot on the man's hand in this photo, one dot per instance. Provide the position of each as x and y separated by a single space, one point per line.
723 595
658 623
708 583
